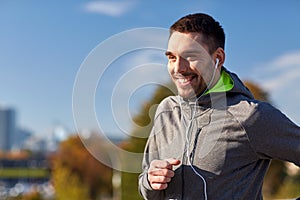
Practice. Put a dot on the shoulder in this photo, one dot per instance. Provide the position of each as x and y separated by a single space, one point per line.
248 111
168 104
257 116
265 112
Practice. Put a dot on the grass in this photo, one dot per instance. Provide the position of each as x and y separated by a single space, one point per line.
24 173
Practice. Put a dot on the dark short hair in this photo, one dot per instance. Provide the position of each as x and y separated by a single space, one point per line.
212 31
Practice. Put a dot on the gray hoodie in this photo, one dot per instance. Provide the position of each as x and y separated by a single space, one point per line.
225 143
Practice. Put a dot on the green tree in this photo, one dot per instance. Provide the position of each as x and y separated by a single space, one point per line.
137 144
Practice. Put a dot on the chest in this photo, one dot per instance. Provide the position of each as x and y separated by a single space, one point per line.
215 143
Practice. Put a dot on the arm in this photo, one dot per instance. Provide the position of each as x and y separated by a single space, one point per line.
157 170
161 172
156 175
144 186
273 135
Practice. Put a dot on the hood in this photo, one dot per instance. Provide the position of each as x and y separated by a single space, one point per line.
239 86
238 89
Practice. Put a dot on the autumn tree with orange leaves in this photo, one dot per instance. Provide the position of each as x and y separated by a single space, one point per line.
74 159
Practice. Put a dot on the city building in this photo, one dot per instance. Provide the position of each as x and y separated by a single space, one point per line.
7 128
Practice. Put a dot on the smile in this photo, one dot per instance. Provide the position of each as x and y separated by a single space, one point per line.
185 80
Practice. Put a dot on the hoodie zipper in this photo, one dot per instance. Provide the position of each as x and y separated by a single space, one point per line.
190 156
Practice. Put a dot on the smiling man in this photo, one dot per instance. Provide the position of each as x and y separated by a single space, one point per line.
213 140
190 64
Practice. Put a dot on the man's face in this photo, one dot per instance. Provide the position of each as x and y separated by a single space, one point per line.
189 63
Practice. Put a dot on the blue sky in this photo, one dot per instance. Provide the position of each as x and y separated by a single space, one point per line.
44 43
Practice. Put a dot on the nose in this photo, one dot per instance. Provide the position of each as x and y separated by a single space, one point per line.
181 65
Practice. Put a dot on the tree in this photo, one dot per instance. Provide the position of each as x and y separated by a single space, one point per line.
137 144
258 92
67 184
74 160
290 188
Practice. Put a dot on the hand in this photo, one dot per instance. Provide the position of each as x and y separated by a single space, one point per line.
161 172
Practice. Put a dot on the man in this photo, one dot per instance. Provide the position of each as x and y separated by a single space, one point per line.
213 140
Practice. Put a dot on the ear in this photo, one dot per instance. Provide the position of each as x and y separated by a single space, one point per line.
220 54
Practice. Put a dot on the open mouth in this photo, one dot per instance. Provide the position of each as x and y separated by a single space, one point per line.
185 80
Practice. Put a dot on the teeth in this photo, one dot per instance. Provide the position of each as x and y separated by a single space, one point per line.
183 80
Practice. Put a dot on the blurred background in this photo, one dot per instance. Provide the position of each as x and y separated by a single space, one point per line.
42 47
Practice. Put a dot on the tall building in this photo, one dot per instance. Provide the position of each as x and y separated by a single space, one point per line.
21 136
7 128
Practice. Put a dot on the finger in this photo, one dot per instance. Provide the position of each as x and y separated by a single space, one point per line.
159 179
159 186
161 164
161 172
172 162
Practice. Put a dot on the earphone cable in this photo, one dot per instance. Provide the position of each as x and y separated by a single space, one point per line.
189 126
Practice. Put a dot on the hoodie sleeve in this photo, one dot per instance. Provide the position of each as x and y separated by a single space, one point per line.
152 151
273 135
150 154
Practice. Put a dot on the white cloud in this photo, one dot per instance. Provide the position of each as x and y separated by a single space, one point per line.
281 72
288 60
110 8
281 79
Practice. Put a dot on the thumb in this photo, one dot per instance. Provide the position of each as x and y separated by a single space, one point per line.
173 161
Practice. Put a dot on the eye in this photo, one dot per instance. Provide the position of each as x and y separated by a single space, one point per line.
171 58
191 58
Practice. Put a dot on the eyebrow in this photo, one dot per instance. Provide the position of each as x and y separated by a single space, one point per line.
188 52
168 53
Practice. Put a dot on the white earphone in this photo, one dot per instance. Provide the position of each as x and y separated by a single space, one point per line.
217 63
